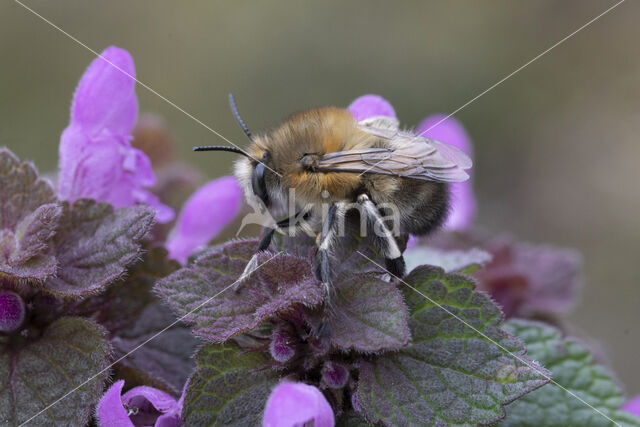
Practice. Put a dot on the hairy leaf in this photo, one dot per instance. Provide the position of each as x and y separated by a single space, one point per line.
368 314
449 260
123 302
574 368
161 354
280 284
228 387
21 191
95 244
37 374
351 419
27 254
458 370
529 279
28 221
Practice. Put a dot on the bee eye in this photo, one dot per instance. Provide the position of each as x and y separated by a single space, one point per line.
258 184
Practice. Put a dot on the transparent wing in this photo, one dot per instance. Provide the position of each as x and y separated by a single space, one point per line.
409 156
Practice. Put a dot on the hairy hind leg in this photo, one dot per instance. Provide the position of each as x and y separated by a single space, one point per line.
394 261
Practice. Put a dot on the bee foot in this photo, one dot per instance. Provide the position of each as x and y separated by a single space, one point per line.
322 330
248 270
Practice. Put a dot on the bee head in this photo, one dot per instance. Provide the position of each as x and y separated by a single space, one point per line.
253 173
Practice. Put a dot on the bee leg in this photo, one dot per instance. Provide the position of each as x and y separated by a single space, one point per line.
323 269
264 244
394 261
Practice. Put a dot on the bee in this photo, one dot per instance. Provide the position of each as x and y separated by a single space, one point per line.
326 158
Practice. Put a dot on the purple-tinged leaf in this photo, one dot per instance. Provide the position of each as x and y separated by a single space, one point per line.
528 279
164 361
368 314
36 230
229 387
37 374
28 221
279 285
21 191
119 307
451 373
576 370
95 244
28 253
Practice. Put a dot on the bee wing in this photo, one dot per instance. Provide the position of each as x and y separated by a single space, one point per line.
409 156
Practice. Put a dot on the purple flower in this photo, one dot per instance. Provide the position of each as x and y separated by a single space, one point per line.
368 106
632 406
295 404
97 160
11 311
140 406
463 203
203 216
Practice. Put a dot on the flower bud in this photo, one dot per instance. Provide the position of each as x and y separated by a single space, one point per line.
334 375
281 346
12 311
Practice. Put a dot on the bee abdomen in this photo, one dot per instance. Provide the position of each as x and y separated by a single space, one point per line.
427 208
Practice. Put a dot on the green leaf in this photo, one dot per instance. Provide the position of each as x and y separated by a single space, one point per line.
574 368
95 244
450 374
229 387
37 373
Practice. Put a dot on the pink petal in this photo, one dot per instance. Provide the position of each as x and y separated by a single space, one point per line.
91 168
164 213
294 404
463 202
110 411
96 157
448 130
368 106
203 216
159 399
105 97
632 406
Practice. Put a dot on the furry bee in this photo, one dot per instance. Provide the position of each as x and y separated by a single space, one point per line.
329 159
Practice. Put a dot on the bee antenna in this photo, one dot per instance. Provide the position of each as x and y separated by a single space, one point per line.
220 148
236 114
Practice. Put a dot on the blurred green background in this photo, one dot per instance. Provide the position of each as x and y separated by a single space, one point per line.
557 148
